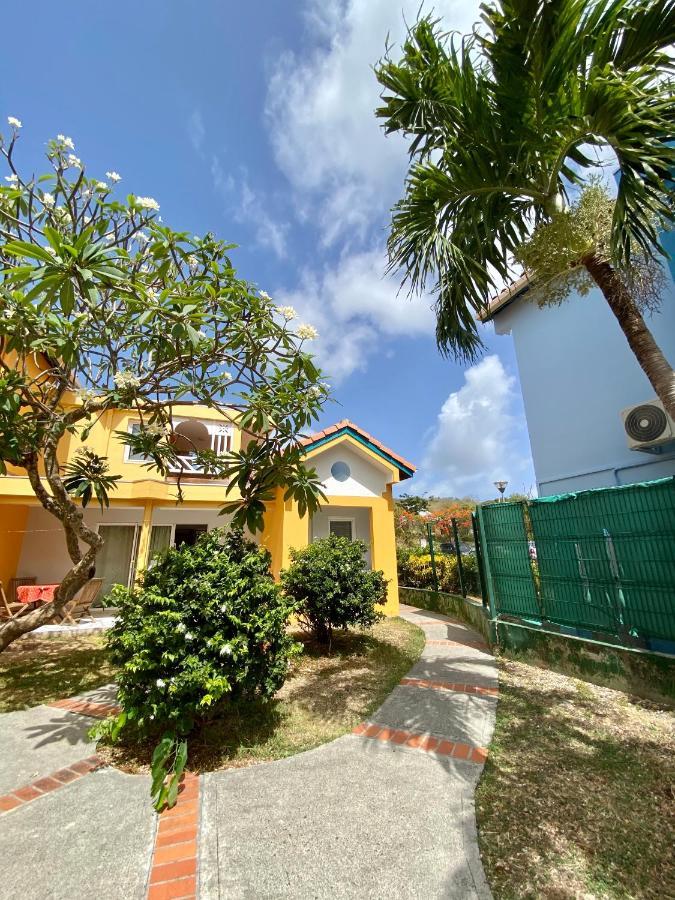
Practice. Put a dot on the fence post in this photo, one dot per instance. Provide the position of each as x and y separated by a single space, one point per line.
430 538
486 565
480 571
458 552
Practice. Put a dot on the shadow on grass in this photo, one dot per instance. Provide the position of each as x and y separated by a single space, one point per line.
51 670
576 796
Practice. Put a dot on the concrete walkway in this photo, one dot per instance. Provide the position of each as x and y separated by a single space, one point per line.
385 812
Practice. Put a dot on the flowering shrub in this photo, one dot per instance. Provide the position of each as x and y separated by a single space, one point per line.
332 586
414 570
207 625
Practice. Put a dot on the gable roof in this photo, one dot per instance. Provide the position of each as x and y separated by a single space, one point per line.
345 427
505 297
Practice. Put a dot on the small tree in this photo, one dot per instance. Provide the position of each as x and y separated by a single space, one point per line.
103 307
332 587
206 626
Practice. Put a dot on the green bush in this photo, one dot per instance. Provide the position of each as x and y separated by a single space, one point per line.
414 570
332 587
208 624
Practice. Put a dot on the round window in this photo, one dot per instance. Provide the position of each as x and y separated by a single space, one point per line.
340 471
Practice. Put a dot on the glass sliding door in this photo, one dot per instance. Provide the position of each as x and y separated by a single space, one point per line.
116 558
160 540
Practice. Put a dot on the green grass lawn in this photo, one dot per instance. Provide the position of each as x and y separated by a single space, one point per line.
36 670
324 697
577 799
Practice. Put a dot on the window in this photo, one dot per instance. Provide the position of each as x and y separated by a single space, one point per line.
341 528
340 471
131 456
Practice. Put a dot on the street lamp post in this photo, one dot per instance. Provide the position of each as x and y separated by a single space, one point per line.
501 487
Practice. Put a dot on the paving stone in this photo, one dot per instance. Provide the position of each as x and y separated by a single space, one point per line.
37 741
90 840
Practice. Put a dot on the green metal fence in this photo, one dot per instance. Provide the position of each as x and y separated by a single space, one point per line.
600 560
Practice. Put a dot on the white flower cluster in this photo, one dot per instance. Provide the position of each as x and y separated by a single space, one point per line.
147 203
126 381
193 263
62 214
73 161
13 121
65 141
160 683
101 186
287 312
142 237
113 176
48 200
225 650
264 295
307 332
13 180
156 429
181 627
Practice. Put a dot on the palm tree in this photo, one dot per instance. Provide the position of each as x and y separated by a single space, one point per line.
503 123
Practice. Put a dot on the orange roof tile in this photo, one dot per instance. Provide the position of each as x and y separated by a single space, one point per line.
334 430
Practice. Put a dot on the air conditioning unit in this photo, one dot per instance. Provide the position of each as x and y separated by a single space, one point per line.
647 425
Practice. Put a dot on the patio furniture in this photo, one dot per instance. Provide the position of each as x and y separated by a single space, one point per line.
81 603
36 593
14 583
9 609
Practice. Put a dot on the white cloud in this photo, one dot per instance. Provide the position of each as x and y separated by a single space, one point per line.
196 130
320 108
355 308
476 437
246 207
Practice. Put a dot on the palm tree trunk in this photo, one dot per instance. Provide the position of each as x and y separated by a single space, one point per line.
640 339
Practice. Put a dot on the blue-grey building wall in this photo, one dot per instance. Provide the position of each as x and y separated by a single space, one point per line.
577 373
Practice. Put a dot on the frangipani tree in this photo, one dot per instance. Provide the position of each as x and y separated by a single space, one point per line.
104 307
502 126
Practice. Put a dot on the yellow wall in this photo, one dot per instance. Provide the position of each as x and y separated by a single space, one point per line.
13 520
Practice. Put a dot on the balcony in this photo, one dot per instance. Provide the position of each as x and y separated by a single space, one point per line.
191 436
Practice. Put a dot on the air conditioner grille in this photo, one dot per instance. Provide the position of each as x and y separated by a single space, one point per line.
646 423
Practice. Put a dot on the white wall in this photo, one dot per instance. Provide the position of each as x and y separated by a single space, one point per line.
368 478
577 373
320 528
44 554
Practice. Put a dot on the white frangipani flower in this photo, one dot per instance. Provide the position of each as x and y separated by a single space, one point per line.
189 636
48 201
13 121
126 380
287 312
142 237
101 186
50 250
147 203
193 263
307 332
13 179
66 141
225 650
160 683
181 627
74 161
264 295
113 176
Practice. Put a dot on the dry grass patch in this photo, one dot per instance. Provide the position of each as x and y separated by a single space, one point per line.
324 697
577 799
38 670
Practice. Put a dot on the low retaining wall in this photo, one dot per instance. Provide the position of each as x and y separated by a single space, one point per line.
645 674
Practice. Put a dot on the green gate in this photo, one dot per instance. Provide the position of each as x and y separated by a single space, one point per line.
601 560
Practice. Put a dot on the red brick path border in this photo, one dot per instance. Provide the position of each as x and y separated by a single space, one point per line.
451 686
87 708
476 645
425 742
49 783
173 873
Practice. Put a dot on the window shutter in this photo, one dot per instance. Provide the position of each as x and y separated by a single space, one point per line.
341 528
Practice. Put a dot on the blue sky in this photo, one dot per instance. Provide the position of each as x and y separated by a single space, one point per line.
255 121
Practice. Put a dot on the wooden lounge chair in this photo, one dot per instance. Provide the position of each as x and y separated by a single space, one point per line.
10 609
81 603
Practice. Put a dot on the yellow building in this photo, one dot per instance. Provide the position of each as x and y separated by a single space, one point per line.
356 470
